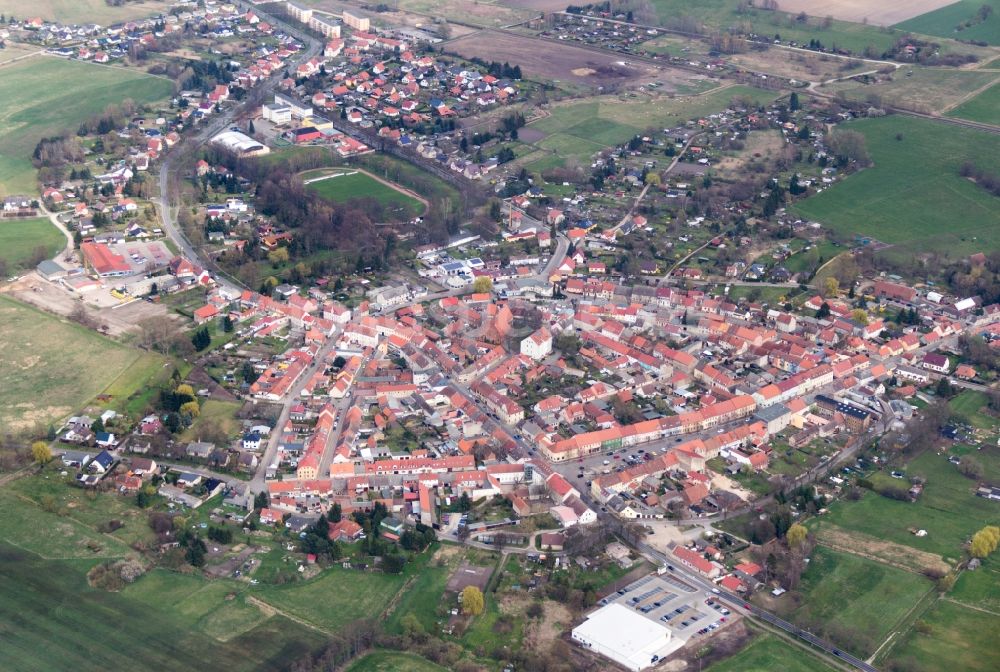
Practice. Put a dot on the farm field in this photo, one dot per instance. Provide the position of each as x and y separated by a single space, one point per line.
943 22
43 597
581 129
957 638
766 653
74 91
83 11
947 510
721 14
54 366
20 238
487 14
849 594
897 201
347 185
393 661
926 90
985 107
883 13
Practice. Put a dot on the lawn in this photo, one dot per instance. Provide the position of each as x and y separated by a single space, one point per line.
423 596
82 11
73 92
215 413
947 510
860 598
133 389
580 129
943 22
980 588
348 185
53 366
913 197
767 653
54 620
339 595
20 238
954 638
968 404
722 14
393 661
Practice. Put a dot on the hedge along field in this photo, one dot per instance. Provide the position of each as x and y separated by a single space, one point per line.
913 197
44 96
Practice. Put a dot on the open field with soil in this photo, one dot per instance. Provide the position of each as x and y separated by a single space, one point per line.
985 107
898 200
847 593
20 238
52 366
767 653
944 22
953 637
83 11
722 14
547 61
882 13
54 620
73 92
345 185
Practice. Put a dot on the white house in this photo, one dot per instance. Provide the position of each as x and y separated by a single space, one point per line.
538 345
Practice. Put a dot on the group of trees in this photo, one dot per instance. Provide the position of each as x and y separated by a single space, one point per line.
990 181
985 541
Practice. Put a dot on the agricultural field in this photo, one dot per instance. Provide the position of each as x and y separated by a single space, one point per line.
721 14
83 11
980 588
22 240
882 13
767 653
74 91
921 89
850 594
897 201
950 636
345 185
944 22
393 661
42 597
54 366
948 510
985 107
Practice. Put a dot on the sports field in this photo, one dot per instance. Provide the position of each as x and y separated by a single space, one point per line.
393 661
51 366
950 636
985 107
944 22
20 238
82 11
578 130
860 598
54 621
721 14
73 92
346 185
899 200
767 653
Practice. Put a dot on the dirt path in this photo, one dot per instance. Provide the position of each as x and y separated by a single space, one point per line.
271 610
70 250
969 96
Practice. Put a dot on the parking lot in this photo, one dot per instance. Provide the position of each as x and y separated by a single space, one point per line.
685 610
